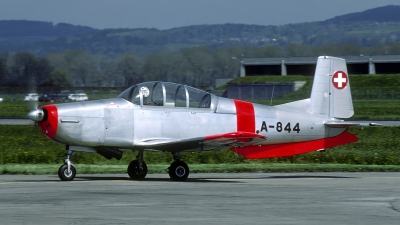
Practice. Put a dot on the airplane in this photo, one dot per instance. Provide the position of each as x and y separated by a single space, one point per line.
175 118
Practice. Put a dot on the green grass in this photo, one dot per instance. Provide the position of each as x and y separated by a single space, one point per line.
27 145
376 109
201 168
13 109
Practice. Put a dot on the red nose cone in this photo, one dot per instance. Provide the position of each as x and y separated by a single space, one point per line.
50 122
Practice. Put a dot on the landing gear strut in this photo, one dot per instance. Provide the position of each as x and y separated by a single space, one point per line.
178 170
137 169
67 172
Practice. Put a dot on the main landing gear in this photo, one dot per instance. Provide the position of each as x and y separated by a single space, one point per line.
137 169
178 170
67 172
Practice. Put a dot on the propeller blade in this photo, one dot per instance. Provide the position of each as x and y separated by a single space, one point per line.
33 105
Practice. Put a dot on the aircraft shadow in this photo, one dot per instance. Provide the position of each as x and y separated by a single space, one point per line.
216 179
94 179
308 177
166 179
211 179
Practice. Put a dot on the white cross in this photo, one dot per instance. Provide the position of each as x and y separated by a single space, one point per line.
340 80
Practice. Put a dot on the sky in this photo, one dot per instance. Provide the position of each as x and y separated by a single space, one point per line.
167 14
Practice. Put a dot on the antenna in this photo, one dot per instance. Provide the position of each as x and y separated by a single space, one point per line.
272 95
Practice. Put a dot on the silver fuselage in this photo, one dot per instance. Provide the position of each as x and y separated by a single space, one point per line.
119 123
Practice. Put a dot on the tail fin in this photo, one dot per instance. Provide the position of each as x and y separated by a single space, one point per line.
331 95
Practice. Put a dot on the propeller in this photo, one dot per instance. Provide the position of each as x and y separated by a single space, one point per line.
33 105
36 114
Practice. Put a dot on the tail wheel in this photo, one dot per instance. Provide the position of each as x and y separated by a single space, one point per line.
136 172
64 175
178 171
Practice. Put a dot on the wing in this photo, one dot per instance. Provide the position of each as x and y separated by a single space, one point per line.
362 123
211 142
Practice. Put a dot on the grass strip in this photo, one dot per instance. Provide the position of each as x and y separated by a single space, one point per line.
201 168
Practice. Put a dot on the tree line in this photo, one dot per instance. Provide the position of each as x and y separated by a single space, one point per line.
195 66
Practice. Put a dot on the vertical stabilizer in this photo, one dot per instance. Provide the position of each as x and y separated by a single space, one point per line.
331 95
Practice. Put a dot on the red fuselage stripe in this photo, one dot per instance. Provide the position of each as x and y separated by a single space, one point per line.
245 116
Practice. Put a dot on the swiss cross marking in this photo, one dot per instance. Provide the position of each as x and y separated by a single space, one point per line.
340 80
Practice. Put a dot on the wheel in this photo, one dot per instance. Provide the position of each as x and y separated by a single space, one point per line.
135 172
178 171
64 175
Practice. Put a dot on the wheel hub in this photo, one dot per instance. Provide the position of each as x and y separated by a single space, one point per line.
180 171
67 174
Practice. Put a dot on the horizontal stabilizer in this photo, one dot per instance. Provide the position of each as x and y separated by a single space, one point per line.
338 124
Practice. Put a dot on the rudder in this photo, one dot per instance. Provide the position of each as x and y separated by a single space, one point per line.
331 94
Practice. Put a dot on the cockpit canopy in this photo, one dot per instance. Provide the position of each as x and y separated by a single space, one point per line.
168 95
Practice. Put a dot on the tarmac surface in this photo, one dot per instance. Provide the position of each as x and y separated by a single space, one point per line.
242 198
15 121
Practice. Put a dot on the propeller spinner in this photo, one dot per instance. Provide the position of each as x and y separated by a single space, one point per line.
36 115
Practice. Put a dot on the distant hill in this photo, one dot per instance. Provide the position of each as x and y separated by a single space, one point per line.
390 13
22 35
371 27
23 28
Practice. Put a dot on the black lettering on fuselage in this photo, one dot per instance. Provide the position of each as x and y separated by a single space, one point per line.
264 127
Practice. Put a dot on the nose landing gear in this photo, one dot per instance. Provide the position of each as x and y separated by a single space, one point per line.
67 172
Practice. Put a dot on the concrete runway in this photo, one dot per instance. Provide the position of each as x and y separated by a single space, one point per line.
15 121
243 198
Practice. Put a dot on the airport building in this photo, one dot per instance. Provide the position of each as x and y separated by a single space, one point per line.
377 64
380 64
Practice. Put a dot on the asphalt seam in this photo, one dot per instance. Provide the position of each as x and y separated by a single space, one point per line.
393 206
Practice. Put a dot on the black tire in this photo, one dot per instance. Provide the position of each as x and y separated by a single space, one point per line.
63 174
178 171
134 172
